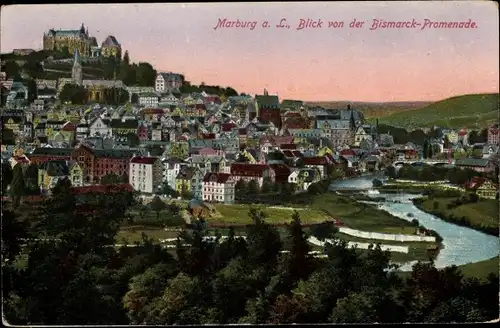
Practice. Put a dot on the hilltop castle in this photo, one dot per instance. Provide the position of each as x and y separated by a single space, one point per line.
80 40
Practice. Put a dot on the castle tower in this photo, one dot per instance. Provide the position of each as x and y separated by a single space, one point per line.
76 73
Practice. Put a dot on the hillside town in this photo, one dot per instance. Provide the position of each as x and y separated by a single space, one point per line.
200 145
132 195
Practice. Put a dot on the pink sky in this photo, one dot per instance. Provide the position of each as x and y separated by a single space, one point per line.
312 64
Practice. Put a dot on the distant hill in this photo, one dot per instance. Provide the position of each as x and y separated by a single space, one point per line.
374 109
471 111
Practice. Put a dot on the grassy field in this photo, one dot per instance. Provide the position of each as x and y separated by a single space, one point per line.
481 269
361 216
471 111
482 213
134 233
239 214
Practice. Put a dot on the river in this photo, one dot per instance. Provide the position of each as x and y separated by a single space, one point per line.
462 245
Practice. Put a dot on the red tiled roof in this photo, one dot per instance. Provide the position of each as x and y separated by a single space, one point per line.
248 170
217 177
102 188
347 152
296 153
68 126
208 135
143 160
292 114
242 131
314 160
288 153
207 151
276 140
22 159
280 169
199 106
152 111
288 146
474 183
226 127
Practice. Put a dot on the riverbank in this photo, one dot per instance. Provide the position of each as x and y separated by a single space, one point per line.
481 216
419 187
479 270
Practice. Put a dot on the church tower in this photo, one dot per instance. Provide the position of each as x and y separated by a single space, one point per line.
76 73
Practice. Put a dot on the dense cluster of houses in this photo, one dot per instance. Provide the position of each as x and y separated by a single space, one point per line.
203 145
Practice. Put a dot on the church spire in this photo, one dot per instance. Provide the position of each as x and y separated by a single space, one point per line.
76 73
82 29
76 58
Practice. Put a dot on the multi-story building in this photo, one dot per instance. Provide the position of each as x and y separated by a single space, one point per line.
148 99
166 82
145 173
248 172
111 48
478 165
171 168
96 163
41 154
493 134
268 109
218 187
69 40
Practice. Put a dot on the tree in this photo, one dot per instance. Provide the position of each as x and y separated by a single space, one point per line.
355 308
144 288
12 69
252 187
446 144
299 263
122 96
177 302
135 98
111 179
7 176
67 253
263 241
133 139
157 205
126 58
240 188
32 90
267 185
145 74
426 149
230 92
17 185
483 136
390 171
185 192
473 137
75 94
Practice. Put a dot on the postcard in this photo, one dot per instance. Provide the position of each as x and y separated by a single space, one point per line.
250 163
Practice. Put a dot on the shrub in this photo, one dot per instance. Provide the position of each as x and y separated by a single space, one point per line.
473 198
